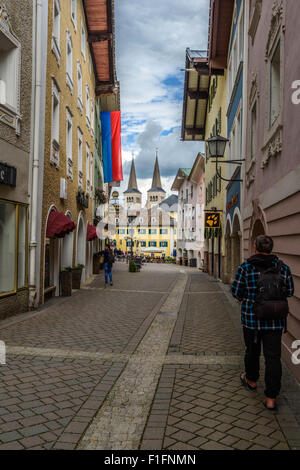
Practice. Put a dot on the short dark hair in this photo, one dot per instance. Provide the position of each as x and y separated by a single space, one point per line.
264 244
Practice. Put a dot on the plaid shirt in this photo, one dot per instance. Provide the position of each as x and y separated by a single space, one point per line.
244 288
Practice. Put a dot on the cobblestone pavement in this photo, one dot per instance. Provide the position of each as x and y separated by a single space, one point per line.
152 363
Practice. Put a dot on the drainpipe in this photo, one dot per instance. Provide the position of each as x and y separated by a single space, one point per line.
36 121
245 116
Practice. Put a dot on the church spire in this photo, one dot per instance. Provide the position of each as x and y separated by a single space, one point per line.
132 183
156 181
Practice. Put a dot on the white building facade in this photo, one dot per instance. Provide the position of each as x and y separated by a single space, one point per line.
190 185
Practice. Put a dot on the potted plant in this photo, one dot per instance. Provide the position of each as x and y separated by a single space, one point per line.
132 267
100 196
96 263
76 276
65 277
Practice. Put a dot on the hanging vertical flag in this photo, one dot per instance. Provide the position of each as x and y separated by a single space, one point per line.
111 146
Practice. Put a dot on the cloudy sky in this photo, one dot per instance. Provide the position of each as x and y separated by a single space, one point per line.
151 39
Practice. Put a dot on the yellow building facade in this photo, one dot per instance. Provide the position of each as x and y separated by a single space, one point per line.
151 231
216 124
69 142
154 240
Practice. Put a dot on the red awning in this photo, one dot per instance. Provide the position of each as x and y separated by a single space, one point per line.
59 225
91 233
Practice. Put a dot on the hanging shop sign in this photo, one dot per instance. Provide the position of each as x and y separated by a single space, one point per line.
8 175
212 220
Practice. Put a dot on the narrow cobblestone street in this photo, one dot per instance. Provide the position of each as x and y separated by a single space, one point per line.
150 363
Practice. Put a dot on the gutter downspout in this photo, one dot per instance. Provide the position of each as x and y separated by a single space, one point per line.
245 117
33 244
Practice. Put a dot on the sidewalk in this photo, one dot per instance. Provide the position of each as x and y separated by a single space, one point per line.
152 363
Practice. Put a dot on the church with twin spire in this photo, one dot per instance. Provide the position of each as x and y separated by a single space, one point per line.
155 195
148 230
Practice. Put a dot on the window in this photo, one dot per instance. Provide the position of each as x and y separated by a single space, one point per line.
92 117
275 83
10 66
73 12
80 174
91 175
152 244
22 246
143 244
90 63
142 231
13 247
69 144
164 231
69 72
163 244
253 130
121 231
79 86
56 30
87 106
54 158
241 39
152 231
82 40
87 169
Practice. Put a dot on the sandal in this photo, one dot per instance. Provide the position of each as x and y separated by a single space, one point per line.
245 383
274 408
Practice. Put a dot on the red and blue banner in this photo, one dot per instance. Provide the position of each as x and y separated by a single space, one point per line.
111 146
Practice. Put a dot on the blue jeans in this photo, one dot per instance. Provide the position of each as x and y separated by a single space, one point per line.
107 268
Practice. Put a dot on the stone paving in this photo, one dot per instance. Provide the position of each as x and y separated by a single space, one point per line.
92 320
150 363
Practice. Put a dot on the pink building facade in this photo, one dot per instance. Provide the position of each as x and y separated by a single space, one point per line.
271 202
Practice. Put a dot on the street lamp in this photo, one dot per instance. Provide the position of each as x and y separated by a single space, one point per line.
131 219
216 148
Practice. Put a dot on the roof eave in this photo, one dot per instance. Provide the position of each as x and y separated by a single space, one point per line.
220 20
200 65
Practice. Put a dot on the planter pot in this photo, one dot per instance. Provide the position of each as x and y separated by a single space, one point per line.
66 283
96 264
76 278
101 262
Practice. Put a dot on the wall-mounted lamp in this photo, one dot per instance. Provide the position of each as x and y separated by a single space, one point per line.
216 149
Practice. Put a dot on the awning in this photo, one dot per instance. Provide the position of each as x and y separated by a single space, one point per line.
59 225
91 233
153 250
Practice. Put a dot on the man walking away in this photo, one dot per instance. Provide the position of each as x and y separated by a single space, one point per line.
262 284
108 262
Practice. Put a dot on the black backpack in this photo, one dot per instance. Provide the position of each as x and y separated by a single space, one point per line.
271 295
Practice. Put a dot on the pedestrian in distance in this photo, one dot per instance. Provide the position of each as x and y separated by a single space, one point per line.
262 285
108 262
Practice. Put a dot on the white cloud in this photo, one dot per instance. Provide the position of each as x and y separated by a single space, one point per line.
152 37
